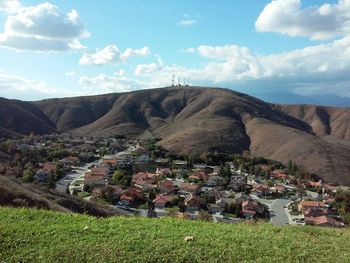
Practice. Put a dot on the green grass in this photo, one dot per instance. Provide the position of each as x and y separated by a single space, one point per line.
83 194
172 209
29 235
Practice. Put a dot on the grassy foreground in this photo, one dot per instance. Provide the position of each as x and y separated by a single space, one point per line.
30 235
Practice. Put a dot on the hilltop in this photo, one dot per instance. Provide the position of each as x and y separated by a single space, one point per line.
72 237
197 120
13 193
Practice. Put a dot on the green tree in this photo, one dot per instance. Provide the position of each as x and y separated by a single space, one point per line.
28 175
117 176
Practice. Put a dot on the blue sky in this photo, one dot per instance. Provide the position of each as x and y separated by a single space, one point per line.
69 48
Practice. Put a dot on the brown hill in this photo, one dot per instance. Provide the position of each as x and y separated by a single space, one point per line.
195 120
70 113
323 120
19 117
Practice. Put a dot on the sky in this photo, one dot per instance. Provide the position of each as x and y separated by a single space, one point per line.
71 48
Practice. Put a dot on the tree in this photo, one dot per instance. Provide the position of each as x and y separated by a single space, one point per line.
51 183
28 175
117 176
269 183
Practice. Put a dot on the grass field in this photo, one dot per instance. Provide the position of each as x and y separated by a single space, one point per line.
30 235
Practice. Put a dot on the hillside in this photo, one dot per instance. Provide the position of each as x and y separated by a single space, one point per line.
77 238
28 195
195 120
18 117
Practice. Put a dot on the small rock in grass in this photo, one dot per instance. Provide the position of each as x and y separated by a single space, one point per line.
189 238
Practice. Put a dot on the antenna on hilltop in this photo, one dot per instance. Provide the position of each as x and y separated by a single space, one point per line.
173 80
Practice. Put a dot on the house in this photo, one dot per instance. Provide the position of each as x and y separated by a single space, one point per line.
315 212
250 208
323 221
162 200
166 186
199 166
214 181
199 176
193 202
48 167
113 163
212 194
188 188
94 180
180 164
162 161
144 176
238 183
312 184
304 205
164 172
131 196
260 190
144 185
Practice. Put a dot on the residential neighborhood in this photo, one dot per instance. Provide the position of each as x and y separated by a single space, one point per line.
137 177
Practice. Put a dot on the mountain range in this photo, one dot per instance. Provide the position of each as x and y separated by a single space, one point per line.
195 120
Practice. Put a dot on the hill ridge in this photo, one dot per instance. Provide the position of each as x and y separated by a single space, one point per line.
195 120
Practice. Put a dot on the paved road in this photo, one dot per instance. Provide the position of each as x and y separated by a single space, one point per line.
278 216
61 185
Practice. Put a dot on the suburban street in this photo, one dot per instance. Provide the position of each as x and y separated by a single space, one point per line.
278 216
62 184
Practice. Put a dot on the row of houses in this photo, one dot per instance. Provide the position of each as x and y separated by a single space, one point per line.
317 213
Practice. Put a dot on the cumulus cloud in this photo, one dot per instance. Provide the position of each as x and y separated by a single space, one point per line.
13 86
146 69
311 69
111 55
9 6
107 84
317 22
43 28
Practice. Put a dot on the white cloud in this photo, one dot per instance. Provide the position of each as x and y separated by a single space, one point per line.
320 67
111 55
129 52
107 84
13 86
43 28
146 69
187 22
317 22
9 6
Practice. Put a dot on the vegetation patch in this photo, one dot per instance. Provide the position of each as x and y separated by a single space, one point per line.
30 235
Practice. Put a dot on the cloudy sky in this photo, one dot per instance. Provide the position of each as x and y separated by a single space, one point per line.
68 48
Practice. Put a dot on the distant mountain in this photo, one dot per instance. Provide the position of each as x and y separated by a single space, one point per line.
285 97
195 120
